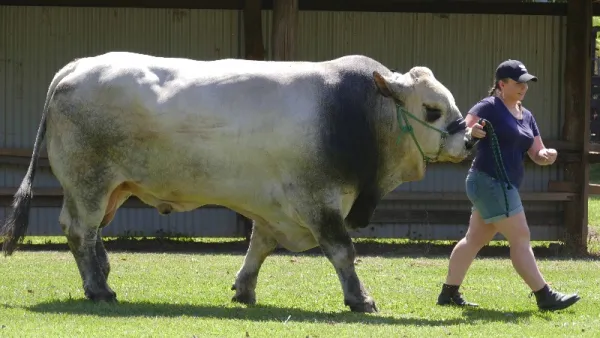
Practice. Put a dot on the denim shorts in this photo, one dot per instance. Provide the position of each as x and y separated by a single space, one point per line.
487 197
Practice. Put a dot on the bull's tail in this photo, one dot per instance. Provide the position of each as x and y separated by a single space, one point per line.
14 228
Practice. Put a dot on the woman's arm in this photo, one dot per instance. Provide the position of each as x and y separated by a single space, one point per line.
539 154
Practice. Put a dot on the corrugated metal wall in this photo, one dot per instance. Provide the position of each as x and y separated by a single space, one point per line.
462 50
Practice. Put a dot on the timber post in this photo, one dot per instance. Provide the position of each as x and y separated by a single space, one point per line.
285 24
577 77
253 39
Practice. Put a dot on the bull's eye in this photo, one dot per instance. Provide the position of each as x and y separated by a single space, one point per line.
432 114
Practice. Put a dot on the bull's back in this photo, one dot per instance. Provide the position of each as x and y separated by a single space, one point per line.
192 123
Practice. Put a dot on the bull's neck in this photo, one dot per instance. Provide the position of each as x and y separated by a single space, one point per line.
403 163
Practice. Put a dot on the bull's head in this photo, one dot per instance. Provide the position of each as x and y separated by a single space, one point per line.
425 107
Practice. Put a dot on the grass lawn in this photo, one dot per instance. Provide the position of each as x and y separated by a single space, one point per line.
188 294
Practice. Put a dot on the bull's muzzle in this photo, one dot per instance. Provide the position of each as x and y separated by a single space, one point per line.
456 126
460 125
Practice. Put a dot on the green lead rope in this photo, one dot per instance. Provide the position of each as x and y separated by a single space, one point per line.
500 169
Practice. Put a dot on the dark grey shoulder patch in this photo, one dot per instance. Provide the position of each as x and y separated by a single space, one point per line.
348 139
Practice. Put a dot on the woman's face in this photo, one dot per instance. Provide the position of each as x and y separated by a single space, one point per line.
513 90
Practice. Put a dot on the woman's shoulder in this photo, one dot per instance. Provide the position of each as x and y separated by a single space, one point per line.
488 101
482 105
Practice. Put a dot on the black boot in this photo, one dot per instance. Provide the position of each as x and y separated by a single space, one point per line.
550 300
451 296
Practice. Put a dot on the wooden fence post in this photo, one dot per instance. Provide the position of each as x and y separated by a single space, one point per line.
285 23
577 78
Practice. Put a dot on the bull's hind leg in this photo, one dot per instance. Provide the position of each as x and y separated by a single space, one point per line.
261 245
117 198
337 245
80 219
102 255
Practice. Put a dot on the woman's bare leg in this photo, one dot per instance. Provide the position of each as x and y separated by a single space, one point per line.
478 235
516 231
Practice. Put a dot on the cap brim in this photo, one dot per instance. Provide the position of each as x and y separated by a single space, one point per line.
527 77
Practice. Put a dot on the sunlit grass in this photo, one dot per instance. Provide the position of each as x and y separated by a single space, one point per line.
186 295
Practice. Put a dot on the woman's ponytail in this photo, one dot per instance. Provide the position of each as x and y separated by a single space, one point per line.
493 89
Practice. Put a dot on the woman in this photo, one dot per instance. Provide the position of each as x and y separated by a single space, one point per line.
517 134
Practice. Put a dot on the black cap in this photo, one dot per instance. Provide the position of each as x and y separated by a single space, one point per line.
514 69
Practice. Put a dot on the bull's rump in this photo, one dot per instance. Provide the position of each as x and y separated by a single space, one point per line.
223 132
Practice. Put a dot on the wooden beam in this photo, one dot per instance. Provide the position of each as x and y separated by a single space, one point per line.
20 152
407 196
253 38
567 152
571 187
576 129
52 197
593 189
398 6
285 27
461 196
433 216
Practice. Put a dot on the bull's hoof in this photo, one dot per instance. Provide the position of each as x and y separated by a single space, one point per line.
107 296
368 306
244 298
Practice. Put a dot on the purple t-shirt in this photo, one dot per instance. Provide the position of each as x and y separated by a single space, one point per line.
515 137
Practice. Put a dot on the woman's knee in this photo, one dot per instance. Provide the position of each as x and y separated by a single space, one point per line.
474 243
514 229
479 234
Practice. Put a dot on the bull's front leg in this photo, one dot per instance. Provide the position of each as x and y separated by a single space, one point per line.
339 249
262 244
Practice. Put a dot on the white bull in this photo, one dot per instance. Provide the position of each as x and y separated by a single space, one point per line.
304 149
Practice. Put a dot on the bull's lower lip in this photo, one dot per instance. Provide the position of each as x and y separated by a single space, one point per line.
453 159
457 159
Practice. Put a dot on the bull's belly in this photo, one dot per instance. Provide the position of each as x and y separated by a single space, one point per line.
260 200
197 178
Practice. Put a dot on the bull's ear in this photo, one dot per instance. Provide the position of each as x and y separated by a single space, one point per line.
397 86
382 84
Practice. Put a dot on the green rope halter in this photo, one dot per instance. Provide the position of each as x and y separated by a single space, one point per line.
407 128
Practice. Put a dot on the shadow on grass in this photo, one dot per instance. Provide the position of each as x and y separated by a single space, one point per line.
364 247
262 313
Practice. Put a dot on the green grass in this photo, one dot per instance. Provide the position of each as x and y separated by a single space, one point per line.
182 295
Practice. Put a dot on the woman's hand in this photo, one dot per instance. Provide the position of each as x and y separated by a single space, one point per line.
547 156
477 131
